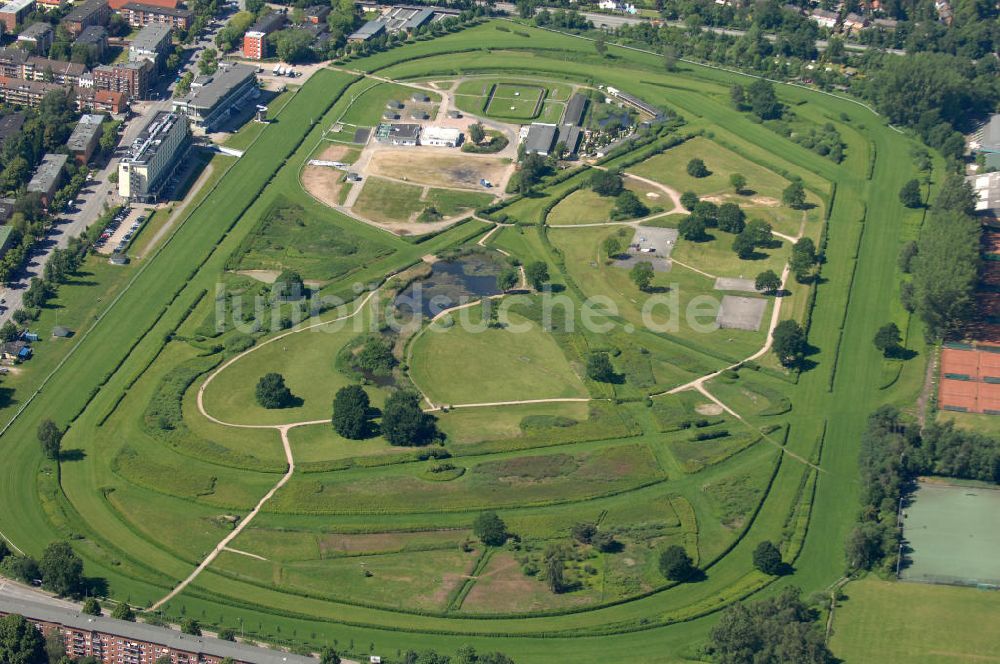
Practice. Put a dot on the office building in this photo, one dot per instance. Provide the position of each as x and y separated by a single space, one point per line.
152 157
214 98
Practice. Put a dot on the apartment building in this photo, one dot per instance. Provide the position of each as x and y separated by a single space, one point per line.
151 43
255 46
92 12
132 79
22 92
14 12
140 14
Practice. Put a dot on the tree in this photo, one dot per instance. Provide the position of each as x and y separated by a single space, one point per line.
906 255
708 212
628 206
55 648
288 286
767 558
689 199
642 274
191 626
738 182
20 641
731 218
20 567
507 279
352 413
583 532
888 339
945 271
669 58
537 273
794 195
696 168
9 331
404 423
744 246
291 45
789 342
612 246
676 564
767 282
209 62
376 356
61 568
910 195
50 438
763 101
606 183
759 232
490 529
272 392
476 132
554 560
123 612
600 45
91 607
803 258
692 229
227 634
777 629
329 656
599 368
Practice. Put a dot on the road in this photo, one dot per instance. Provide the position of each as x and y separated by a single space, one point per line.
613 21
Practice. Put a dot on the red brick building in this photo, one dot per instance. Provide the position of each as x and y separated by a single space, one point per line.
132 79
120 642
22 92
140 15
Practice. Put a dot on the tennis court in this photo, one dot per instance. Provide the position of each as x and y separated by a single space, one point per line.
953 532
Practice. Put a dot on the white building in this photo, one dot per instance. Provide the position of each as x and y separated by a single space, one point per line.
445 137
152 157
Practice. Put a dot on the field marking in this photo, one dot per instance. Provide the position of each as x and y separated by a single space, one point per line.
245 553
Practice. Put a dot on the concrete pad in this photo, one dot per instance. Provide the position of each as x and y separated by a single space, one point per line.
733 284
741 313
654 241
361 135
659 264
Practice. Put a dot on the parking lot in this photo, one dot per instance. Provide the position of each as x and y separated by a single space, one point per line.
120 231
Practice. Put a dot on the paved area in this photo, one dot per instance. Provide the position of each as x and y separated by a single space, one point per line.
733 284
741 313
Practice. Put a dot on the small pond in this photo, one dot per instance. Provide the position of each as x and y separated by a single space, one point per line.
451 283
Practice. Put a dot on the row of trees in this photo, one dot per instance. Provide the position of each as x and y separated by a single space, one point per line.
60 568
402 423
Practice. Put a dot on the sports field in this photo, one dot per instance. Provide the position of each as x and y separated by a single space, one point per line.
953 532
517 102
915 623
159 475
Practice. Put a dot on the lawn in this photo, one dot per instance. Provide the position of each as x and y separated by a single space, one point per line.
389 201
913 623
370 104
468 362
516 102
716 256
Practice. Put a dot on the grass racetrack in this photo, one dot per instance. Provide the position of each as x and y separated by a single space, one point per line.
543 468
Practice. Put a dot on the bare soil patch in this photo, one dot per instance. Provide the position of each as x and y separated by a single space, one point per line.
708 409
437 167
325 182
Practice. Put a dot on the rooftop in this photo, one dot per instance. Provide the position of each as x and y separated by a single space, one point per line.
84 132
154 9
35 30
10 125
441 133
989 134
368 30
47 173
86 10
574 109
269 22
92 34
987 188
13 55
151 36
15 6
144 147
210 90
150 634
57 66
541 138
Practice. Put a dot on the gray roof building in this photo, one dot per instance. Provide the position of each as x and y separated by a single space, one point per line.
988 135
570 135
541 138
85 136
419 19
48 175
987 189
213 98
150 43
142 633
93 35
269 23
10 126
35 31
575 109
367 31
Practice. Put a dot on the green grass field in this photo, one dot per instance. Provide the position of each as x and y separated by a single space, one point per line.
142 503
915 623
518 102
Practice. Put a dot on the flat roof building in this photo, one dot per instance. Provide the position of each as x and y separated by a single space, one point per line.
132 79
10 126
14 13
85 136
111 640
48 176
446 137
541 138
37 38
214 98
151 43
92 12
140 14
367 31
255 46
398 134
152 157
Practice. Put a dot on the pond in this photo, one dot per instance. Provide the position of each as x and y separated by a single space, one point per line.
451 283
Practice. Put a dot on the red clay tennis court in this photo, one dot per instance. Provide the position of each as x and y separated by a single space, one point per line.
970 380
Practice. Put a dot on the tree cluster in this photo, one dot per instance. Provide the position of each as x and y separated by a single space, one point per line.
403 421
60 568
271 392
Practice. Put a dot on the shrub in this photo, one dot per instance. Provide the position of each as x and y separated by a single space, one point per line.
676 564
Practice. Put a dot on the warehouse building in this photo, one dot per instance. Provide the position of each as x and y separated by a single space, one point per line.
213 99
575 110
87 133
112 641
153 157
541 138
151 43
48 176
398 134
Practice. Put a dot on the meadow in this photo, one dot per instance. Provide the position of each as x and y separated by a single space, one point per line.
624 460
